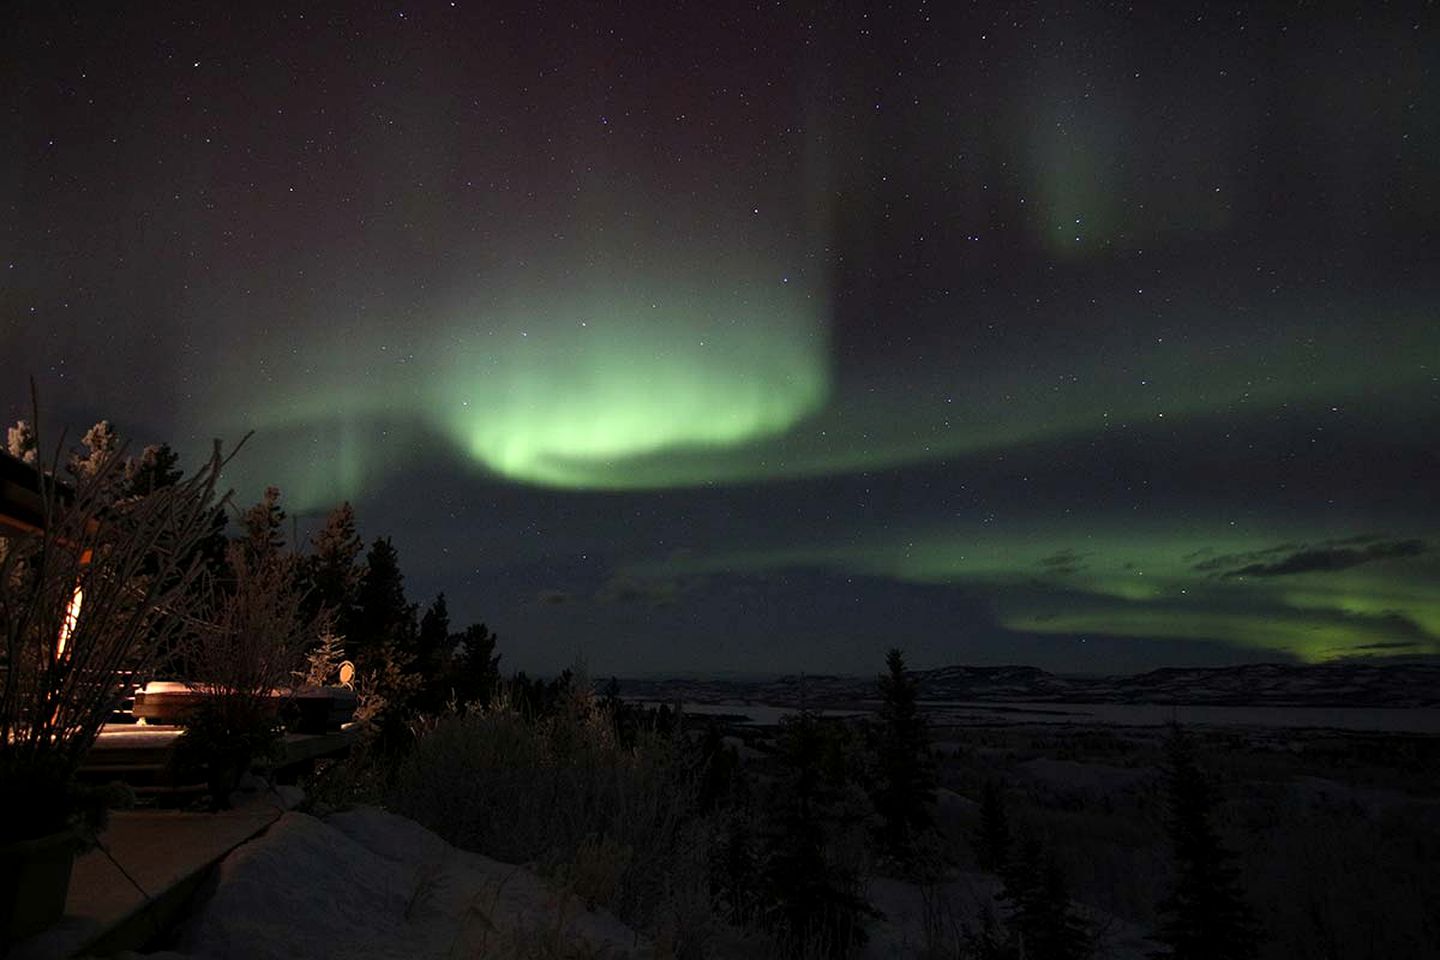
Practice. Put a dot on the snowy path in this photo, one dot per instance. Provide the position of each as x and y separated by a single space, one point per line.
370 885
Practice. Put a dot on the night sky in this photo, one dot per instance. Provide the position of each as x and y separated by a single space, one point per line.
694 337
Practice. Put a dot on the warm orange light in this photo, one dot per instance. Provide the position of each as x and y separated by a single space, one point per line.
72 614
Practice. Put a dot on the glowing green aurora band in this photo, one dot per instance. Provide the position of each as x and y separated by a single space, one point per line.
610 377
557 388
1169 580
666 375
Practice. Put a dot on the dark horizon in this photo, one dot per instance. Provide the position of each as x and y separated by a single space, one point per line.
1398 663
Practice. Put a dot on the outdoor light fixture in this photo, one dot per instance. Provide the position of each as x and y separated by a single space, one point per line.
67 626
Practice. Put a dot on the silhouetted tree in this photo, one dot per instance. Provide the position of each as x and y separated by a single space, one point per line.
736 868
475 668
156 467
213 549
432 656
331 571
989 942
904 792
382 639
434 634
992 838
717 765
263 527
1205 916
381 614
814 898
1041 921
535 697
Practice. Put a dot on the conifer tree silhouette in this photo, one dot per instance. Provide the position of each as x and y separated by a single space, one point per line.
1205 916
904 792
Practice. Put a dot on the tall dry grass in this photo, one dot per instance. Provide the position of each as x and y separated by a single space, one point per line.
617 825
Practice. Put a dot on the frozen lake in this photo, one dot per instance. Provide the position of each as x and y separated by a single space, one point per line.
1386 719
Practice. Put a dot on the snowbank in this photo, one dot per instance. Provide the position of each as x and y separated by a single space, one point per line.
370 885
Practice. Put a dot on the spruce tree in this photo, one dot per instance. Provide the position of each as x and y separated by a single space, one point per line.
1205 916
988 942
331 571
213 550
1040 921
736 878
992 838
156 467
381 614
381 637
432 655
263 527
814 897
716 769
904 791
475 667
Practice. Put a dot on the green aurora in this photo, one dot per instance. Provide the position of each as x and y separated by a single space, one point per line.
562 391
666 380
1154 583
662 383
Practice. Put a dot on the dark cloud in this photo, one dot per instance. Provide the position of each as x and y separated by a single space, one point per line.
1355 541
1064 562
1329 556
657 592
1225 561
553 597
1388 645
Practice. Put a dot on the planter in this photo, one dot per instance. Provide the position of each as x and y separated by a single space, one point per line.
321 709
170 702
223 778
34 879
165 702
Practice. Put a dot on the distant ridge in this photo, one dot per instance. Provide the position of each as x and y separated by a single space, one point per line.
1336 684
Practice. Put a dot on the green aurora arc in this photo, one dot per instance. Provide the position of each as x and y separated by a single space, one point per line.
1046 391
662 378
1164 582
587 374
565 371
562 390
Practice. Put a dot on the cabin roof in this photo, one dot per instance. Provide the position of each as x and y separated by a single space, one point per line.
21 507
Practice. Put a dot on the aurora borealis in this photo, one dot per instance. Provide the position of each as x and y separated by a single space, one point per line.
686 338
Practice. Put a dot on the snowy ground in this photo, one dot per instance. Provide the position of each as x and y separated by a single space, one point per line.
368 885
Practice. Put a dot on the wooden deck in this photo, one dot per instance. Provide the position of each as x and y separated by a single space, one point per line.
152 861
167 854
139 755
